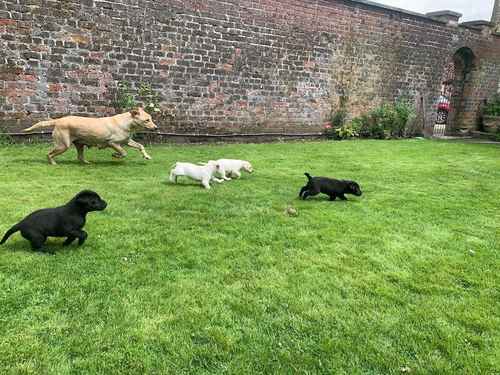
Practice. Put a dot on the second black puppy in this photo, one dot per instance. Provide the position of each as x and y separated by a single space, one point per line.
64 221
329 186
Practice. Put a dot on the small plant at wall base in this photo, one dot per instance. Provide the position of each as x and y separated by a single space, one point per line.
390 120
337 128
492 108
405 113
490 121
125 99
5 138
150 98
346 131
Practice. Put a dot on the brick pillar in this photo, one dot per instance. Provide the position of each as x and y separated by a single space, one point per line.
495 18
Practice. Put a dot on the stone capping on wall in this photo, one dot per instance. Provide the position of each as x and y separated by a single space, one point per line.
445 13
397 10
448 16
476 25
425 17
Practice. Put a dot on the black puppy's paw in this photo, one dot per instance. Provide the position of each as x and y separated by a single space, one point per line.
82 238
69 241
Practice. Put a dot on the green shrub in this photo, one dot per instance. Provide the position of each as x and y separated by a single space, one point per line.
368 126
492 108
390 120
150 98
339 118
5 138
345 132
497 135
126 100
405 113
337 128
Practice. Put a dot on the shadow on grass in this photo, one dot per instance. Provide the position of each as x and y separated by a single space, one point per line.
183 184
51 247
103 163
325 198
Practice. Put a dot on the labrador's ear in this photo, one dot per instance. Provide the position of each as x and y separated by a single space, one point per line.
83 199
134 112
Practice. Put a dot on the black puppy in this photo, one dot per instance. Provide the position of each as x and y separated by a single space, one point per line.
64 221
329 186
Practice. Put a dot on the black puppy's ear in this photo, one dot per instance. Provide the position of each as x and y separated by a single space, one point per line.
82 198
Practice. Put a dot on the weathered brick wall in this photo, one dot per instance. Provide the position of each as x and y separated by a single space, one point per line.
229 66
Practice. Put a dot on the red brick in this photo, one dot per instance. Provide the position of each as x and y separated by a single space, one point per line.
6 21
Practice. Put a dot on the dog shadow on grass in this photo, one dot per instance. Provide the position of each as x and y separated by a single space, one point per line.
51 247
325 198
184 184
98 163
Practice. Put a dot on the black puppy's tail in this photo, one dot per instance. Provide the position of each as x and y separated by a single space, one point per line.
308 176
9 233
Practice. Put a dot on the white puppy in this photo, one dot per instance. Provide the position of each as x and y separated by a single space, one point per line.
232 167
204 173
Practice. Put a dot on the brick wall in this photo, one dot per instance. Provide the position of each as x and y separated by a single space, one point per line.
229 66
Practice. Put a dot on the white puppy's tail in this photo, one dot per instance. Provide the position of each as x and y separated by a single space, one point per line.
41 124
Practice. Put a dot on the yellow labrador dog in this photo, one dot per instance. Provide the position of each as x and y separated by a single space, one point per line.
103 132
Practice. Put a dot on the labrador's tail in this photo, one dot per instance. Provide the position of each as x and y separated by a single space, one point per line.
9 233
41 124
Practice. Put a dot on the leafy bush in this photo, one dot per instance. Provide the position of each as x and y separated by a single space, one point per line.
5 139
338 118
405 113
150 98
386 121
492 108
126 100
345 131
368 126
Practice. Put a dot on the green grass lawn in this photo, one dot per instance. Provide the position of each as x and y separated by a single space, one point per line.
176 279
